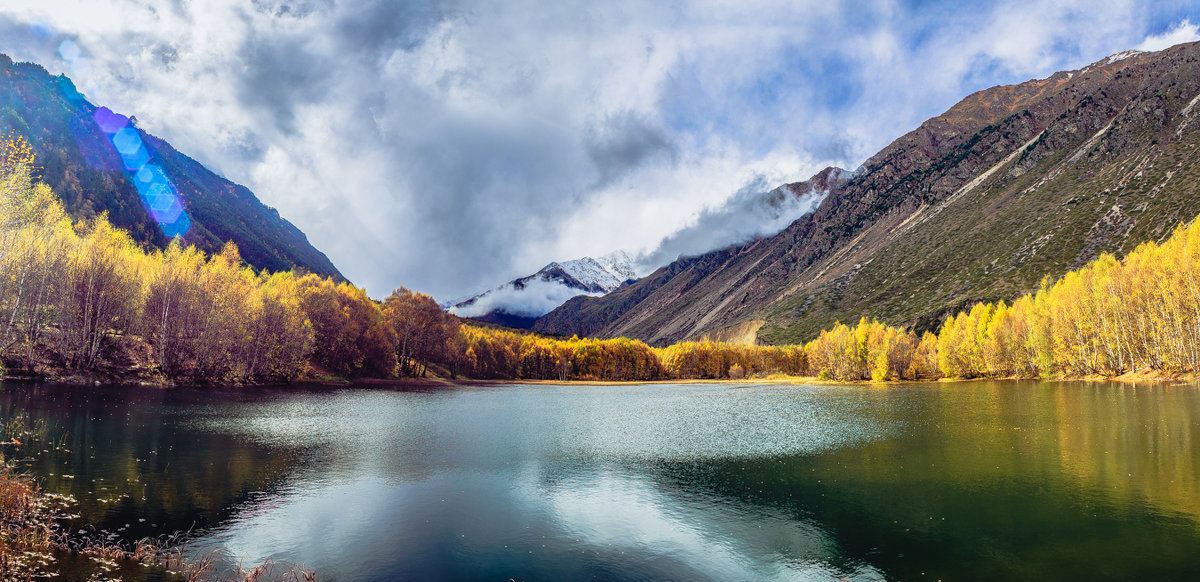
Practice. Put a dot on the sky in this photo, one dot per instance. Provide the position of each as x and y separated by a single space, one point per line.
450 146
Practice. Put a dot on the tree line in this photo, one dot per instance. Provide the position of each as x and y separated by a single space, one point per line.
82 296
1107 318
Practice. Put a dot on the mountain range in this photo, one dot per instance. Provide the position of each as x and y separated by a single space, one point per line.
748 214
1010 185
94 159
520 302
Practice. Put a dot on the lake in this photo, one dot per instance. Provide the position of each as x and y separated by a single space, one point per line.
721 482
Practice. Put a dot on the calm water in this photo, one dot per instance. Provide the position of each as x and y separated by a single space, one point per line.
972 481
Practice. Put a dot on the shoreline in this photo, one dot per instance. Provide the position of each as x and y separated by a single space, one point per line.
813 381
1141 377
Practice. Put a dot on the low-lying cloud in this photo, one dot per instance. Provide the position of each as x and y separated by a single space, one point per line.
752 212
446 145
537 298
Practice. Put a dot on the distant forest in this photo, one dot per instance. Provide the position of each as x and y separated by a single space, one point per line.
81 299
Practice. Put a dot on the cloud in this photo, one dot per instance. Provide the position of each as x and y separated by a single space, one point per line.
625 141
537 298
754 211
1182 32
449 145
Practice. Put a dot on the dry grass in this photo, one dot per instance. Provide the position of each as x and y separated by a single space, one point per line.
29 532
32 537
170 553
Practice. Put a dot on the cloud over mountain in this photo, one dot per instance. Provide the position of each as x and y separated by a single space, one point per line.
448 145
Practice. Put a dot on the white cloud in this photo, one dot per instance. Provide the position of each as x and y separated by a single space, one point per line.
1182 32
755 210
537 298
449 146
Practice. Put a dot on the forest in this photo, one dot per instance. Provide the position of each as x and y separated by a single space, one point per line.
80 298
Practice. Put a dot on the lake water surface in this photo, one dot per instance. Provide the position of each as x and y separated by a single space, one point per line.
950 481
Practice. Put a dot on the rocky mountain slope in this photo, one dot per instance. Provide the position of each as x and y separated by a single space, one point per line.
81 163
520 302
1010 185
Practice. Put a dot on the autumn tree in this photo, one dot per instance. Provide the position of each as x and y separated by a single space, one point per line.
421 329
102 292
350 336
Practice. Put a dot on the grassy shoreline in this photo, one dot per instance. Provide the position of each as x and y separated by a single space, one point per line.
1140 377
812 381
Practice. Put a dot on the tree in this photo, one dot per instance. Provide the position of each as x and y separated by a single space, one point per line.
421 328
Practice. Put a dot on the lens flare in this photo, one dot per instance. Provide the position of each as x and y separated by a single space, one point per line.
109 122
158 194
69 51
69 92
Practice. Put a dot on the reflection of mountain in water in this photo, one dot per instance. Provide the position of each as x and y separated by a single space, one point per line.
995 481
972 480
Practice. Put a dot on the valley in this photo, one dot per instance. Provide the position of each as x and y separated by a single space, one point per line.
1011 185
871 292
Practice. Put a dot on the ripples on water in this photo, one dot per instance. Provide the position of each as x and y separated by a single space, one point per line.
526 480
662 482
636 423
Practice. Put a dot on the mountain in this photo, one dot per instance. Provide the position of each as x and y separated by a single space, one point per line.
748 214
98 161
520 302
1008 186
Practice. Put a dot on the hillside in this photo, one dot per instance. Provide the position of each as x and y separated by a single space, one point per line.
79 162
980 203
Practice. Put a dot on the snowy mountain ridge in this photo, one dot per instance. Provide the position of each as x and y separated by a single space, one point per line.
521 301
607 272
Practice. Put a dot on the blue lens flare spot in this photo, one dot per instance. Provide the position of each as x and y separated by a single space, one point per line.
136 160
156 189
158 195
177 228
161 200
68 90
127 141
145 175
167 210
68 50
109 122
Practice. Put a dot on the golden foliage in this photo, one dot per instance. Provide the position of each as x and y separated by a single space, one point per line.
75 289
493 353
422 330
1107 318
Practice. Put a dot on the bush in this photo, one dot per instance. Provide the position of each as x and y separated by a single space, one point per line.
736 372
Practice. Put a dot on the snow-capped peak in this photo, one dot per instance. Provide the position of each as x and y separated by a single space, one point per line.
607 272
554 284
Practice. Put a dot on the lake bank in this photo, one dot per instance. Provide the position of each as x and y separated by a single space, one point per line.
1137 377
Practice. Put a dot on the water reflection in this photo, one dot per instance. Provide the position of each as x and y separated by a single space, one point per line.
945 481
1132 444
533 484
120 454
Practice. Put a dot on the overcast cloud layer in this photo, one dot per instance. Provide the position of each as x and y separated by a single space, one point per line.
451 146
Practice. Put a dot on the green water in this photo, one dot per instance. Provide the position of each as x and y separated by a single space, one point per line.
965 481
